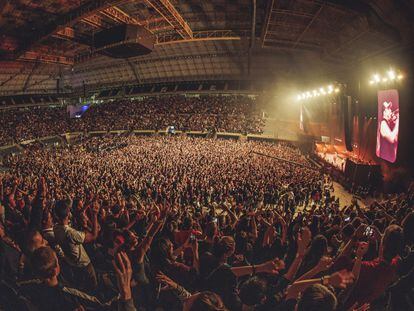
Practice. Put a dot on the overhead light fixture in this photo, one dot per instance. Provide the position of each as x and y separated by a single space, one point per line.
319 92
391 74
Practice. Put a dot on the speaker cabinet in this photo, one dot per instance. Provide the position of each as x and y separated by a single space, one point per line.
124 41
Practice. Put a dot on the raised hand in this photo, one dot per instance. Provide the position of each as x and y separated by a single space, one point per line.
271 266
165 210
95 207
304 239
362 249
341 279
324 263
42 187
123 270
166 281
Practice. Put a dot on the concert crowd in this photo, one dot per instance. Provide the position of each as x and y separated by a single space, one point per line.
205 113
179 223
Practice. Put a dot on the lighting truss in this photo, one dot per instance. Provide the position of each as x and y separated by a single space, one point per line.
318 92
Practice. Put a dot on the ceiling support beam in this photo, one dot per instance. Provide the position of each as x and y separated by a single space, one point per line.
267 22
47 58
9 79
120 16
291 13
50 77
21 71
287 44
354 30
134 70
29 76
94 21
207 35
87 9
67 33
252 37
309 24
347 43
172 16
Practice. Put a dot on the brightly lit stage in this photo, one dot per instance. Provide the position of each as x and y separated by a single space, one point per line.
349 165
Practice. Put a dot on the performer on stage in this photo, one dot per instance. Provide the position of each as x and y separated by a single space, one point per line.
387 138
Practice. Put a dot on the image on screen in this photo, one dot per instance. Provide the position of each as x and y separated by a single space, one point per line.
388 125
77 111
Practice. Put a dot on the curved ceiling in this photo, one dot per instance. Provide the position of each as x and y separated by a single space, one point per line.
48 40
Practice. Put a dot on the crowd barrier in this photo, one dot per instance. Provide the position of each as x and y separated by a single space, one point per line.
226 135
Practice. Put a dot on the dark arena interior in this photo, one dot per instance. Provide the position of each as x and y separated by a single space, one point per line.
229 155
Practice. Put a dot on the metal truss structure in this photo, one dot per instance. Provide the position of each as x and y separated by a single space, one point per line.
171 15
203 35
193 38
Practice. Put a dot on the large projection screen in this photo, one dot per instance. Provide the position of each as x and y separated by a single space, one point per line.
388 125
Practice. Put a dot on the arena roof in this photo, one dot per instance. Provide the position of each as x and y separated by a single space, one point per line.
49 40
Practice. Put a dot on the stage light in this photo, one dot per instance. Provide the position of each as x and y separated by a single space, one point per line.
321 91
391 74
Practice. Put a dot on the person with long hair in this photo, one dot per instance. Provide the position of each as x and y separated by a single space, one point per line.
387 138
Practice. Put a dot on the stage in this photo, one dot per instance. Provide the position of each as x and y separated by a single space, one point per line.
348 167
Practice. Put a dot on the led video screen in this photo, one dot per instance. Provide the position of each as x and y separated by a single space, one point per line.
77 111
388 125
